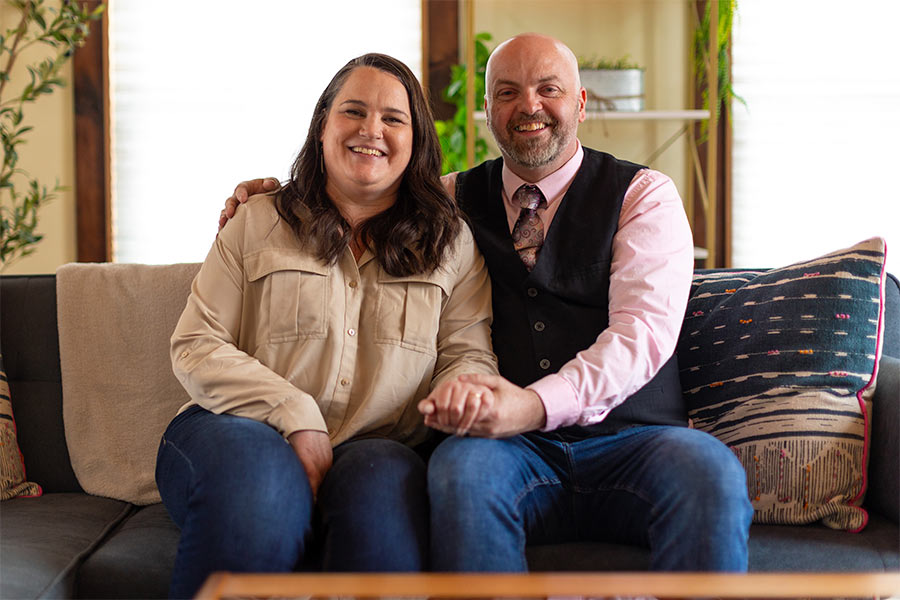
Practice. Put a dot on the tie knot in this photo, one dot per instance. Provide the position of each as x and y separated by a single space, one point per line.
529 197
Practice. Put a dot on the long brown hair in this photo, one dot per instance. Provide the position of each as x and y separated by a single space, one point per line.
409 237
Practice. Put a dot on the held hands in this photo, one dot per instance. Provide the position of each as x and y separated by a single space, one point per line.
313 448
244 190
483 406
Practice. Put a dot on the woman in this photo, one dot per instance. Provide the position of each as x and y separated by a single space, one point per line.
322 314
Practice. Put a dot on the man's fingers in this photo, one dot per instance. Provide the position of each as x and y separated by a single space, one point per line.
270 183
468 416
230 206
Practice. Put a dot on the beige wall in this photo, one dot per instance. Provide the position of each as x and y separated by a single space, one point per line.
652 32
49 155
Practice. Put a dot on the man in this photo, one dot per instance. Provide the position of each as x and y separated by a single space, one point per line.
583 437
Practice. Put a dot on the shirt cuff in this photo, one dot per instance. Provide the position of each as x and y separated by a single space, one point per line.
559 399
304 415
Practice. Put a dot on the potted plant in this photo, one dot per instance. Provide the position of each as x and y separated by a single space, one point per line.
452 132
612 84
63 25
726 11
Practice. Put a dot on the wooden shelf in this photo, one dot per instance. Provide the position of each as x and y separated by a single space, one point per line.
643 115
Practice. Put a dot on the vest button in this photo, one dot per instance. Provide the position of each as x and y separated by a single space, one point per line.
532 292
539 326
544 364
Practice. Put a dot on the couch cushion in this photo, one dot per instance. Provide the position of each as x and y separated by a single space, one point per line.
136 561
780 365
819 548
46 539
884 466
12 467
803 548
119 397
30 348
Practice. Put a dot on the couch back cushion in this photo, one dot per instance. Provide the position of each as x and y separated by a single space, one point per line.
119 392
781 366
30 347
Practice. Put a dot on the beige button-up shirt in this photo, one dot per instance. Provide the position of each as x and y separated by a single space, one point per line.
272 333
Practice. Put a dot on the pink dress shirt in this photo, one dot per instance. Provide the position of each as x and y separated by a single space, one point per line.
650 277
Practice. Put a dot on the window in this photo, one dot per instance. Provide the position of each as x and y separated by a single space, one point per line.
208 93
815 151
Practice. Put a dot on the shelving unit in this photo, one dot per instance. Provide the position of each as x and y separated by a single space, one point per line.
706 181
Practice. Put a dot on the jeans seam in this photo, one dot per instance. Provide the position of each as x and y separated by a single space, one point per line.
182 455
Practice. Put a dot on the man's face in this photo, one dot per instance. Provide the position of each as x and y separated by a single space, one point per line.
534 104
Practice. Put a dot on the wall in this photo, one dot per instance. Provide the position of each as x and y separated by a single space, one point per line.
654 33
48 155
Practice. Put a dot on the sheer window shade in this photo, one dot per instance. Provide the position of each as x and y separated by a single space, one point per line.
207 93
817 148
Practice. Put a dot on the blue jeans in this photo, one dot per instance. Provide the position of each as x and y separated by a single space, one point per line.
678 491
242 500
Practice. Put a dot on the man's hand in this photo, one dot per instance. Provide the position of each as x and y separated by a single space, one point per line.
244 190
454 405
313 448
507 411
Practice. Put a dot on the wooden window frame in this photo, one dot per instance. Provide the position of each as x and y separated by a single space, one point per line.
93 216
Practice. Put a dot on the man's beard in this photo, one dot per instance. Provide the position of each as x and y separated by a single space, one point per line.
535 152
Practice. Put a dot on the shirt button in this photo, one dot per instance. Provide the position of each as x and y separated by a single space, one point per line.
345 382
184 354
351 332
532 292
539 326
353 284
544 364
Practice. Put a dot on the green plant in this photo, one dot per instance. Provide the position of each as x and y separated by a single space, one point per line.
452 132
64 27
727 10
606 64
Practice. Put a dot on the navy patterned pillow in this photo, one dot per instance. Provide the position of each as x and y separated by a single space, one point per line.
780 365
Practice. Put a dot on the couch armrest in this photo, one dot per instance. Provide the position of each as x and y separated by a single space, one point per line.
884 462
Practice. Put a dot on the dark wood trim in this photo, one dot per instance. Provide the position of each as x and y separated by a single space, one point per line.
92 173
723 181
441 34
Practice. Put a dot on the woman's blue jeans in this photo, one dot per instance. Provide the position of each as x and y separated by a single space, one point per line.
242 500
678 491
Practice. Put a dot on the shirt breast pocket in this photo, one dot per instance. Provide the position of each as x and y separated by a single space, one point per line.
294 294
409 311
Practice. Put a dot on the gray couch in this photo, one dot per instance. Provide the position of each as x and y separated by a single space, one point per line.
68 544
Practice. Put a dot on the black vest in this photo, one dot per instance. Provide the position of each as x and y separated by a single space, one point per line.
544 318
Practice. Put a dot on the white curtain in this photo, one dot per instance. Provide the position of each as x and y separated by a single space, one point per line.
207 93
817 150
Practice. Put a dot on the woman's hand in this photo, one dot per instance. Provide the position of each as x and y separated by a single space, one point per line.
244 190
483 406
313 448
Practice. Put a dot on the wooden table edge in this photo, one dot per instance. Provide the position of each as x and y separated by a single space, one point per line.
543 585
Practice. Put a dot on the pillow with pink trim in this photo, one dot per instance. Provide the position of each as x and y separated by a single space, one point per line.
12 467
780 365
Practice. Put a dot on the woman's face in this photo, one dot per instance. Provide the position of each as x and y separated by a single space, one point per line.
368 136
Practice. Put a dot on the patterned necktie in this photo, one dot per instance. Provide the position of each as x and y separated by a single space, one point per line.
528 233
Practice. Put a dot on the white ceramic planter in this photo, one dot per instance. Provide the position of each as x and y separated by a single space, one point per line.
614 89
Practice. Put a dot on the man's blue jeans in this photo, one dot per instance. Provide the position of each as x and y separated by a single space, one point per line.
678 491
243 503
